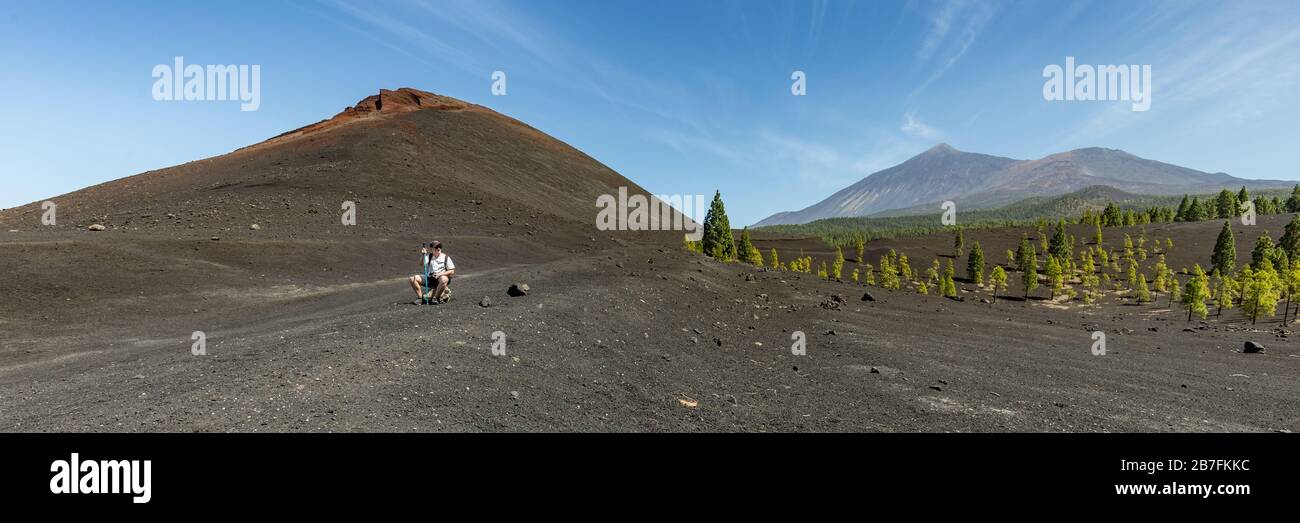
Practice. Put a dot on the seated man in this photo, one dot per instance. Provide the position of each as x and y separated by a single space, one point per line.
440 269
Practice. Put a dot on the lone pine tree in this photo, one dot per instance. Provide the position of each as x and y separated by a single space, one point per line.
975 264
718 241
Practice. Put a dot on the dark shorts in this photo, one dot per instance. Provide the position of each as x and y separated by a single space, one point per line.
432 280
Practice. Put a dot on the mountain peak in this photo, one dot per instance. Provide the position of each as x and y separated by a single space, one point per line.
401 100
942 148
404 99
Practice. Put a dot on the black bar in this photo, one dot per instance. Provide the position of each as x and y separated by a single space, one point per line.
412 470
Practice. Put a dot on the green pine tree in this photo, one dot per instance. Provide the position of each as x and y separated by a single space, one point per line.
1059 246
1055 276
1196 292
1143 294
1027 258
949 286
837 266
1290 240
718 241
1263 249
999 278
1225 250
975 264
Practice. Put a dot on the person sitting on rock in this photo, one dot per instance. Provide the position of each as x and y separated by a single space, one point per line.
440 268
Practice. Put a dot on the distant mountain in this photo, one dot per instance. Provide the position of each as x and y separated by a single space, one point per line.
980 181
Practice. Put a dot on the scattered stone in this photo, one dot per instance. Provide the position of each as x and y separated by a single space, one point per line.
95 227
885 371
255 227
518 289
138 377
514 394
936 387
485 302
749 276
830 332
215 238
834 302
717 341
1253 348
868 297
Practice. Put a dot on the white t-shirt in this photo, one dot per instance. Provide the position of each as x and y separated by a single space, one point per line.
439 264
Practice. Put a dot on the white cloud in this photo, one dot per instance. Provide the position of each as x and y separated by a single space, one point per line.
913 126
952 27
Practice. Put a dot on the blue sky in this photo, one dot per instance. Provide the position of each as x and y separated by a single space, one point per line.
682 97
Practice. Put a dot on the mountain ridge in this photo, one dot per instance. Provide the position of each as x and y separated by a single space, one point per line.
976 180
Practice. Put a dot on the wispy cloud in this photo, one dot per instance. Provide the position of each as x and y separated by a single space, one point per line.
952 26
1222 69
913 126
483 31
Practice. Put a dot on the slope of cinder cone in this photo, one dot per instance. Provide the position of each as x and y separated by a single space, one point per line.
411 161
417 166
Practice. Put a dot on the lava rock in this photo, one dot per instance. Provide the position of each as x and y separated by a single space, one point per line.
1252 348
834 302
